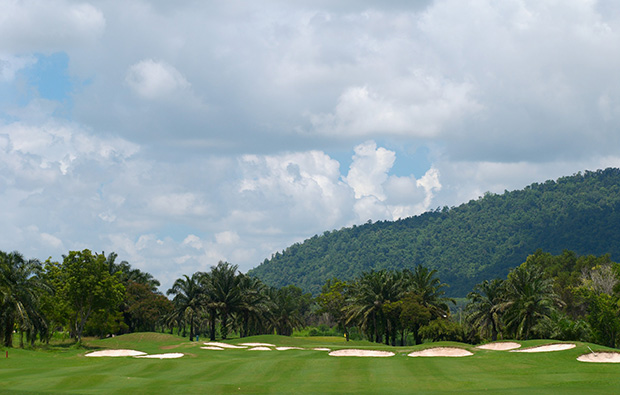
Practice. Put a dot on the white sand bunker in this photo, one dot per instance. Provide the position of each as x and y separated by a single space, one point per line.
288 348
260 348
116 353
500 346
258 344
600 357
169 355
222 345
441 352
321 349
548 347
361 353
214 348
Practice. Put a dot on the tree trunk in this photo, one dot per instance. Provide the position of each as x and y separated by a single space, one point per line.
8 332
387 332
374 323
493 332
224 330
212 325
191 328
245 325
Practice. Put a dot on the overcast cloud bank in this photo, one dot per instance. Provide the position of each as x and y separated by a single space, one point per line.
178 135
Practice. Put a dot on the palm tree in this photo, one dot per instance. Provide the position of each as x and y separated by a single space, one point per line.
370 294
127 274
20 287
286 314
529 298
189 296
483 309
254 307
426 284
225 292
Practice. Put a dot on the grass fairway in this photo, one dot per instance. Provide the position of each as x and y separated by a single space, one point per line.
67 370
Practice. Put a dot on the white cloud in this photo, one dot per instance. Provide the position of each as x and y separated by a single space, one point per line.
155 80
204 131
52 241
227 237
369 170
418 106
179 205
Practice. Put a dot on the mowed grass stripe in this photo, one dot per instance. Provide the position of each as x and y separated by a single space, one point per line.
301 371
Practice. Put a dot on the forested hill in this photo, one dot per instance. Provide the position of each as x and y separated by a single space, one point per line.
475 241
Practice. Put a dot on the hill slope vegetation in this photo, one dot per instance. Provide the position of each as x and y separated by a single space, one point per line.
478 240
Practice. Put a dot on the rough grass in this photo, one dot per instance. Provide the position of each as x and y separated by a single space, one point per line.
66 370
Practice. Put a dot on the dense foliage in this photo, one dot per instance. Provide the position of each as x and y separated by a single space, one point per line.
224 299
564 297
85 294
478 240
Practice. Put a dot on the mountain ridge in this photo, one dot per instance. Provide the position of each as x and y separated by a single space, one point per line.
477 240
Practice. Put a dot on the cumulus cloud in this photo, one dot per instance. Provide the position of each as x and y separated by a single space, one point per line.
383 196
424 111
369 170
155 80
301 184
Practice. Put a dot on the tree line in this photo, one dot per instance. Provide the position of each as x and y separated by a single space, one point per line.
564 297
85 294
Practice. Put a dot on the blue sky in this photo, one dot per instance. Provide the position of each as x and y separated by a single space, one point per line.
181 134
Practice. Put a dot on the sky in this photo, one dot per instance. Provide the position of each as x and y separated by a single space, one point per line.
179 134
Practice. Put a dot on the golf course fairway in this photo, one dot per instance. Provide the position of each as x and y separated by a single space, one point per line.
305 370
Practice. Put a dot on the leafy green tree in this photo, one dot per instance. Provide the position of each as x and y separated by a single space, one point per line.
598 290
414 315
332 301
87 286
483 309
145 309
289 304
603 318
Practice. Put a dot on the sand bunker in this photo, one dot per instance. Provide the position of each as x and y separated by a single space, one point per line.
500 346
116 353
288 348
260 348
441 352
321 349
214 348
600 357
548 347
162 356
258 344
361 353
222 345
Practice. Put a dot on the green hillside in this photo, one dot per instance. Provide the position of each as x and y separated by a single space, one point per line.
478 240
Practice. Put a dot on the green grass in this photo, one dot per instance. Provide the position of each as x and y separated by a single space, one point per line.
66 370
